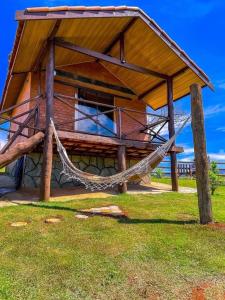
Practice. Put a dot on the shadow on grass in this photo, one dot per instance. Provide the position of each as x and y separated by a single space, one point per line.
121 219
156 221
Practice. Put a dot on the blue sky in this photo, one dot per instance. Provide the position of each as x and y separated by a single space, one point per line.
198 26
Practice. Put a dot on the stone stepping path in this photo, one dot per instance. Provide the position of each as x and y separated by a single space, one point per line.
110 211
19 224
53 220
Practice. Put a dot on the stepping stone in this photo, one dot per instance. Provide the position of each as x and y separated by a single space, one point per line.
19 224
81 216
53 220
113 211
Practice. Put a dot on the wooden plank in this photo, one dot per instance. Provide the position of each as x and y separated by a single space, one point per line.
201 159
110 141
97 83
45 188
171 127
113 60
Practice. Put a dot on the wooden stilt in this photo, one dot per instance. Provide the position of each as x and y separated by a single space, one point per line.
201 160
122 188
45 188
173 156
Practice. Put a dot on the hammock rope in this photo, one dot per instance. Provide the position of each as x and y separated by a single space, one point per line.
94 182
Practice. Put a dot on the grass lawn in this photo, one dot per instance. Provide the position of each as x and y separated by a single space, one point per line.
185 182
159 252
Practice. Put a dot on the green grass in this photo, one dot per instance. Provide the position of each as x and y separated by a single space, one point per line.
159 250
184 182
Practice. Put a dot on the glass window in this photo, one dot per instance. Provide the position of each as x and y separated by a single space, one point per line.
93 109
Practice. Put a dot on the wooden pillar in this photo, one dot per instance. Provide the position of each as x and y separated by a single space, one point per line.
201 160
173 156
45 188
122 188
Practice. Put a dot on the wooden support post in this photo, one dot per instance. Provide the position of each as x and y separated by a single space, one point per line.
122 188
45 188
201 160
173 156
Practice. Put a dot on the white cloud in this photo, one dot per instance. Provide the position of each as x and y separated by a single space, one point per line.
221 84
221 129
212 110
186 158
218 156
188 151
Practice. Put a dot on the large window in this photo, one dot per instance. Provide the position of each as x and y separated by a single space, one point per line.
93 107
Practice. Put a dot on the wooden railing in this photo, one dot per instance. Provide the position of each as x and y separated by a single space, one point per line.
187 168
139 129
30 121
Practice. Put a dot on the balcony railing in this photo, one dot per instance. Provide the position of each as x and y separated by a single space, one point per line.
28 120
141 130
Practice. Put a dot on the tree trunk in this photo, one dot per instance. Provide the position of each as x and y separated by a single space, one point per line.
45 188
201 159
173 155
14 152
122 188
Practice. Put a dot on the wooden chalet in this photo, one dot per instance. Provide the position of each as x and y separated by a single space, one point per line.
95 71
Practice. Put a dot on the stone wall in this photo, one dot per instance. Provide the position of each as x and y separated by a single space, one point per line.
95 165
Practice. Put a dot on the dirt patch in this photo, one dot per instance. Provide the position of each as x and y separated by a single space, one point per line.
198 293
220 226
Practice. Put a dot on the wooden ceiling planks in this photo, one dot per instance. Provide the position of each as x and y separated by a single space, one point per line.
146 45
33 38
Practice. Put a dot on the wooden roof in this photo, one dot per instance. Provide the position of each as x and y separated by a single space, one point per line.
98 29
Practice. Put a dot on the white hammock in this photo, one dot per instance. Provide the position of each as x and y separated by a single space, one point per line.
94 182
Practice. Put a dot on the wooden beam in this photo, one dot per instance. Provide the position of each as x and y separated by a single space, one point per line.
171 127
45 188
75 85
86 138
117 38
98 83
201 160
107 58
122 188
7 110
122 49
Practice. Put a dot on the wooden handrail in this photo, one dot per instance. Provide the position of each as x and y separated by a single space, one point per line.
20 104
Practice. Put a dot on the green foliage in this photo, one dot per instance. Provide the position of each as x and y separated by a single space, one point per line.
158 173
213 176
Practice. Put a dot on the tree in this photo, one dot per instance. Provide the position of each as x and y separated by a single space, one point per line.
213 176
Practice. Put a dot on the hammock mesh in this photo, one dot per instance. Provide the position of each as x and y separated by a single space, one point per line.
94 182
